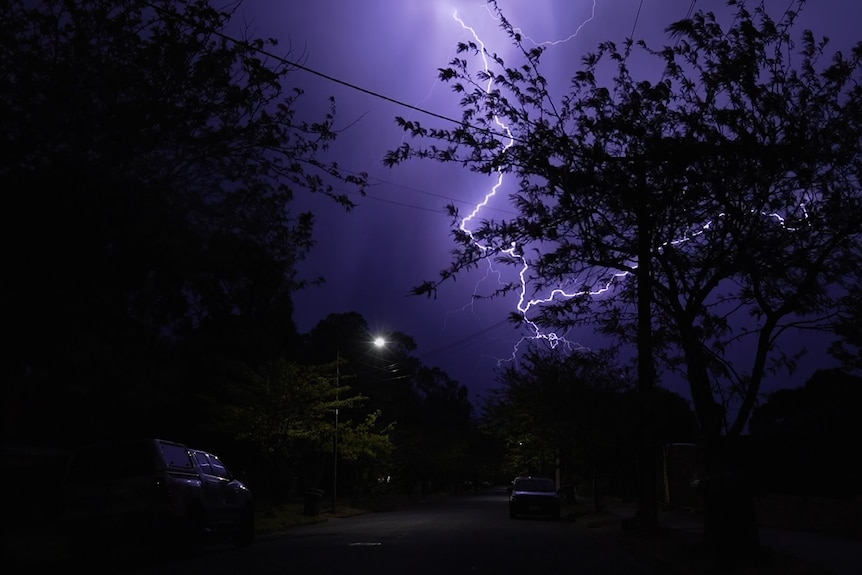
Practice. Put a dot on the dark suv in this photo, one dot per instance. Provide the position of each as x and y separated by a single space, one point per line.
153 491
142 488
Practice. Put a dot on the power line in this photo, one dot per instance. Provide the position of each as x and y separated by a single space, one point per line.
687 17
427 193
348 84
465 339
337 80
366 196
637 17
634 26
440 211
690 9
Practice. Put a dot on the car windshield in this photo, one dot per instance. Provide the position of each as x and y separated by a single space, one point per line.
534 484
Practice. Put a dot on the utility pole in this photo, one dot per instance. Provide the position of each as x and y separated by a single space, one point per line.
335 435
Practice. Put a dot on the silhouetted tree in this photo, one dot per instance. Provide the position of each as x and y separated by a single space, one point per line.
727 186
565 416
828 404
802 438
153 160
441 427
848 327
744 160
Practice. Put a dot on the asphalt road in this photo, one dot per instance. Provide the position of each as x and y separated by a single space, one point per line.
465 535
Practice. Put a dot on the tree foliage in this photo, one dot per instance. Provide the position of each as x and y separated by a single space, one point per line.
826 406
152 158
428 413
439 433
284 415
578 415
847 348
739 163
801 437
550 408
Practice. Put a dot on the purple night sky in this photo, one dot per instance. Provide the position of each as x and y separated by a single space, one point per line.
400 234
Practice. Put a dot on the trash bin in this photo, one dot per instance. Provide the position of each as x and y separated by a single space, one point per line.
311 506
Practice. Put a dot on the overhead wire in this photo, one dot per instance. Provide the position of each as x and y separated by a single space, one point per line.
385 182
466 339
690 9
688 14
335 80
637 17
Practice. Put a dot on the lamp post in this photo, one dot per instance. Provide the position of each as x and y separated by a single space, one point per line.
335 435
379 342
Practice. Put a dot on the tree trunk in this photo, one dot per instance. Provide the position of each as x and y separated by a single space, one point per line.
647 485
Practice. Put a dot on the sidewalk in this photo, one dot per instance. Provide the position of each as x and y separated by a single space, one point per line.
803 551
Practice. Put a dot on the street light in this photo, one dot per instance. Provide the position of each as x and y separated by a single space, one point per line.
379 342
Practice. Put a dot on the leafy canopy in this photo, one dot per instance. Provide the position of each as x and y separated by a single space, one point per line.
738 162
153 158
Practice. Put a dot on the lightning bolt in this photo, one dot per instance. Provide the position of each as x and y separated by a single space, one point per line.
571 36
524 304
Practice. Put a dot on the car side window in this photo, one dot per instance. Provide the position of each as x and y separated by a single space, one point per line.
204 462
176 456
218 468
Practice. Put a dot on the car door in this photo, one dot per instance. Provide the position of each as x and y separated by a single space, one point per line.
224 496
213 489
234 494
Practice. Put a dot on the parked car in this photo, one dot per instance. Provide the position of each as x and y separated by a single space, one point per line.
153 491
534 496
144 490
228 504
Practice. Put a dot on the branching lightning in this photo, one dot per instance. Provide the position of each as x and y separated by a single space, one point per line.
549 42
524 304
